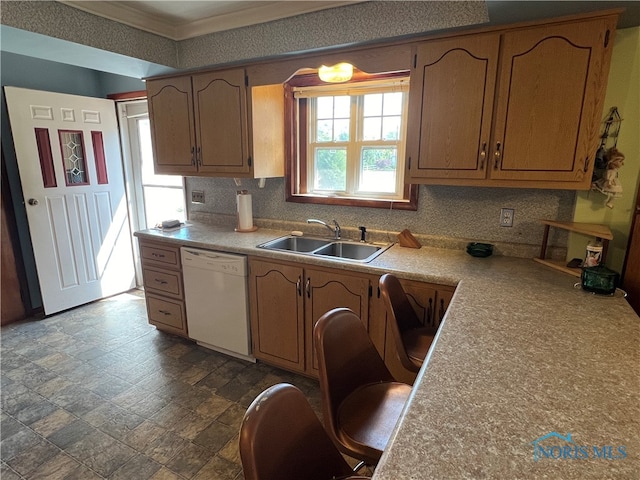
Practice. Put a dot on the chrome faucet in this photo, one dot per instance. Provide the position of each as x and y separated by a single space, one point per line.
335 230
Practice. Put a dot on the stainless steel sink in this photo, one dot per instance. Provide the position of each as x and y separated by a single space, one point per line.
336 249
351 251
295 244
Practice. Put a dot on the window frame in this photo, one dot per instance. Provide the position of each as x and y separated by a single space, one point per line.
296 164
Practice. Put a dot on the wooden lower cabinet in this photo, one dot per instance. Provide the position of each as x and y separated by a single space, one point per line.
430 302
164 290
287 299
277 314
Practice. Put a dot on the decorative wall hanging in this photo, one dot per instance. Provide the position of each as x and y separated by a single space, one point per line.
609 160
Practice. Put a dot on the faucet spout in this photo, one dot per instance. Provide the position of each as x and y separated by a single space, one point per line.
335 229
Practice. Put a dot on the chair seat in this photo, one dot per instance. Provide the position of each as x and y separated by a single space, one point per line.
416 343
367 417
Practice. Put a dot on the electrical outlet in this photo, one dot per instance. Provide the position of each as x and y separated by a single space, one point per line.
506 217
197 196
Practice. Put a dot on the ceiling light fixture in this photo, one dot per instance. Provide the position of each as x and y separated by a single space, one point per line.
341 72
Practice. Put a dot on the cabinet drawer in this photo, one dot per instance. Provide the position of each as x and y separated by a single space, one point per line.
162 281
160 255
164 312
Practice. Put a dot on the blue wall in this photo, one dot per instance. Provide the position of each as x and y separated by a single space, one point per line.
28 72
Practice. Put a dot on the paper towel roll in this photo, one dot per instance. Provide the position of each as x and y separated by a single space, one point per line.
245 212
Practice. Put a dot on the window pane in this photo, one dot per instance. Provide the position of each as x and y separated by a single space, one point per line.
371 128
324 106
146 155
378 169
324 132
373 104
341 133
330 172
393 103
391 128
342 107
162 203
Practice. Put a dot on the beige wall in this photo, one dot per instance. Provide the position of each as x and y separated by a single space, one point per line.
623 91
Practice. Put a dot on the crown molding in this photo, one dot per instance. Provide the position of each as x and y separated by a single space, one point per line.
123 12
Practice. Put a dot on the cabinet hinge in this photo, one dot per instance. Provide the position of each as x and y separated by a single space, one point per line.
249 161
415 60
370 291
409 164
606 38
246 80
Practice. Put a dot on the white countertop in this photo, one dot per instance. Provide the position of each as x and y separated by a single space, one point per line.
521 354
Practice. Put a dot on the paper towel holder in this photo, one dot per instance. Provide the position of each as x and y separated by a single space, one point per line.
244 224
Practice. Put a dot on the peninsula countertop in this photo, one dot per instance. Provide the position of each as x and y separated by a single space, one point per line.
528 377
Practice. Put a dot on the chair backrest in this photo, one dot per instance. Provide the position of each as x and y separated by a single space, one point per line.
401 315
281 437
347 359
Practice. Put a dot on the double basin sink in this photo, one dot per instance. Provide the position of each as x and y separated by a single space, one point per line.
336 249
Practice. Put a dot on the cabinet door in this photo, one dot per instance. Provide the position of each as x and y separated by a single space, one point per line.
325 291
220 100
451 101
172 129
277 314
549 102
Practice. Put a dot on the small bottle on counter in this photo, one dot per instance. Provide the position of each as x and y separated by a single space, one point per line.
593 255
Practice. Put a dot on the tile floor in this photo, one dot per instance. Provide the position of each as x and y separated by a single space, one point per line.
96 392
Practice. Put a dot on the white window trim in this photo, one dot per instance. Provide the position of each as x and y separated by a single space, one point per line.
354 146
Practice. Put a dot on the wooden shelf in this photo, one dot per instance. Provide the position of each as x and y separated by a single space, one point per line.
601 232
559 265
593 229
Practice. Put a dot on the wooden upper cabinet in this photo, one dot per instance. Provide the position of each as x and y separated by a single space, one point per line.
172 129
220 102
451 102
550 99
518 108
212 124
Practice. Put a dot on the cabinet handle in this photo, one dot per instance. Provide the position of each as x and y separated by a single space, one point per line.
308 287
430 313
157 255
441 309
497 155
586 164
299 286
160 281
483 155
193 155
164 312
198 158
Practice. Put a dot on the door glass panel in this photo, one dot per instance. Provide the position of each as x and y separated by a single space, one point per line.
98 154
46 158
73 157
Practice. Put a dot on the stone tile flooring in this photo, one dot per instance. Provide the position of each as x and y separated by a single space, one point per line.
96 392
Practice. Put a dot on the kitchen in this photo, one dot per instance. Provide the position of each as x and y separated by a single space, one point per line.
437 204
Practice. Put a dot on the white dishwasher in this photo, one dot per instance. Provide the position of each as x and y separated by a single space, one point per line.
215 290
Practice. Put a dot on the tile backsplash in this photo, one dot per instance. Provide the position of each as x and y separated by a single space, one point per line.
446 216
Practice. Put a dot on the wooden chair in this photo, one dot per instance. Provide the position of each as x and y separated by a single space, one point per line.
411 338
282 438
361 401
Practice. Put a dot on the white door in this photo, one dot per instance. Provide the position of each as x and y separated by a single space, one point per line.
68 155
